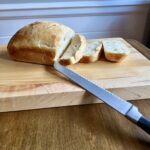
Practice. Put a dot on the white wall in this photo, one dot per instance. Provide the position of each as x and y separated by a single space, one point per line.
94 19
39 1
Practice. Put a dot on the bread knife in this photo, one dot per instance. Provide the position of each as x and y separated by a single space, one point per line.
127 109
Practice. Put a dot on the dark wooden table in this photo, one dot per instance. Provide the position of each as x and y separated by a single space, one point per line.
87 127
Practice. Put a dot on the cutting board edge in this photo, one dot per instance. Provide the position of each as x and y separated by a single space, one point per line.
77 98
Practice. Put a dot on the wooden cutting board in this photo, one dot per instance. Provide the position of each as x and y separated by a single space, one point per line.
30 86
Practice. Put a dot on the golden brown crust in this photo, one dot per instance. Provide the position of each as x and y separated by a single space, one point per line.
38 42
115 57
65 62
87 59
28 55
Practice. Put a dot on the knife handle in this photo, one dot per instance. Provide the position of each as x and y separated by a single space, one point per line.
144 123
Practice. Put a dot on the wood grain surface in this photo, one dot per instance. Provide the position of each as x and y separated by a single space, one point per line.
88 127
31 86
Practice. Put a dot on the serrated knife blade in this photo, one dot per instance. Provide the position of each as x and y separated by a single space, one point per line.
122 106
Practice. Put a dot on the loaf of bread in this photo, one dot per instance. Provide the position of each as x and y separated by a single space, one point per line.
115 50
74 51
40 42
92 51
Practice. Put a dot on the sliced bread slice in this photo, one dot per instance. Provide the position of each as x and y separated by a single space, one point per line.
74 51
92 51
115 50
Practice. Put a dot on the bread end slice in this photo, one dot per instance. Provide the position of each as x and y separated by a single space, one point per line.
115 50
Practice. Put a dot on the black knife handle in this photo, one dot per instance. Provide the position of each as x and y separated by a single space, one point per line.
144 123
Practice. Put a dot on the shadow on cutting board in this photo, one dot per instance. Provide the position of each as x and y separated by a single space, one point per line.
3 53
